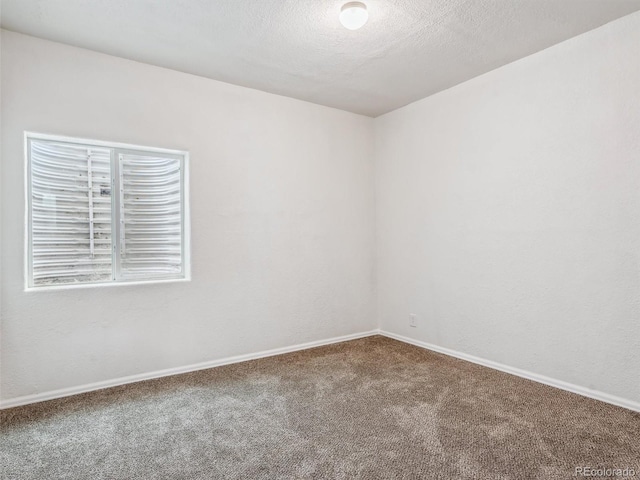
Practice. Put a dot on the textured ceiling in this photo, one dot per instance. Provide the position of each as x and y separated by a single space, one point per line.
409 48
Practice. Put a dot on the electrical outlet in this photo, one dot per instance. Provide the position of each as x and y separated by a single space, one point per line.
413 320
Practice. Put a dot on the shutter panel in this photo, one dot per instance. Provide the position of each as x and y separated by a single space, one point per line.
70 215
150 216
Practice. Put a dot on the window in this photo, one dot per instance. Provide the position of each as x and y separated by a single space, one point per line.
104 213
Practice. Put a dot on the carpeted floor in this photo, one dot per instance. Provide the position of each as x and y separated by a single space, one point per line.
370 408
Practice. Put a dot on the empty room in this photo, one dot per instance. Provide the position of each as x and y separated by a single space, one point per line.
319 239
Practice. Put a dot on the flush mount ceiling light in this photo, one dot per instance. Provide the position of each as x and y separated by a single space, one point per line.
353 15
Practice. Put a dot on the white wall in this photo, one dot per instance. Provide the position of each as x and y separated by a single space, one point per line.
508 217
281 212
508 214
0 202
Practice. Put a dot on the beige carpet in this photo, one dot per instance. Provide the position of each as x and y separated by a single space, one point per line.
370 408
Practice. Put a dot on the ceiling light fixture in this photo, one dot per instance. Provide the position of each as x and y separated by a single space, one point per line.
353 15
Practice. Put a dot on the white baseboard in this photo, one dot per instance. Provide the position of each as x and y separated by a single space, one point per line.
66 392
569 387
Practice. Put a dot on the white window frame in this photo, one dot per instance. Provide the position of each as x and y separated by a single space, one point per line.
116 148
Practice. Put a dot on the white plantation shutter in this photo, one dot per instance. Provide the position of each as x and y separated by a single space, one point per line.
150 216
70 213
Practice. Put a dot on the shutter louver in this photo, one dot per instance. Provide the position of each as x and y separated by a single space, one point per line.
70 213
150 216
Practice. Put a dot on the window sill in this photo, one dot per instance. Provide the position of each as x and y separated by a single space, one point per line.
49 288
